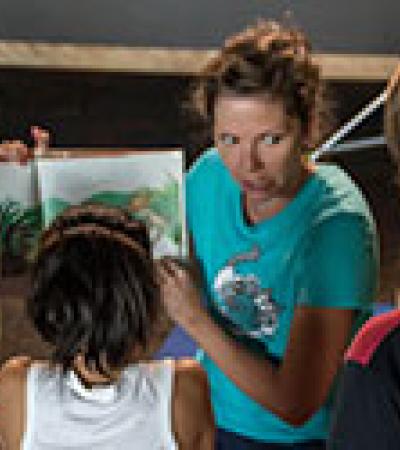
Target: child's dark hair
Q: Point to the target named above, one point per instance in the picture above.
(267, 58)
(95, 292)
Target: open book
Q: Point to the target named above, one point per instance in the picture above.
(148, 183)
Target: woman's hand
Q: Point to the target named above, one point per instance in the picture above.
(41, 139)
(17, 151)
(179, 293)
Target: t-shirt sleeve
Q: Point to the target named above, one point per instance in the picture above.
(339, 267)
(200, 196)
(191, 197)
(365, 416)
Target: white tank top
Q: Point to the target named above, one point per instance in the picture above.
(133, 414)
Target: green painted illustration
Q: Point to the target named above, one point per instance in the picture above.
(147, 185)
(20, 228)
(158, 207)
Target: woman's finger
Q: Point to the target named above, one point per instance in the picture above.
(175, 268)
(166, 266)
(162, 274)
(168, 279)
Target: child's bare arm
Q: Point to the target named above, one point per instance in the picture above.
(12, 402)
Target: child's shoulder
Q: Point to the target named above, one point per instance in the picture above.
(14, 368)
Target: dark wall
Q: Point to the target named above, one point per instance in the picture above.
(93, 109)
(120, 110)
(355, 26)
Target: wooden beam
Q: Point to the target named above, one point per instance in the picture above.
(169, 61)
(357, 67)
(162, 61)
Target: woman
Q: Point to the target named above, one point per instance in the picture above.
(287, 250)
(96, 300)
(367, 413)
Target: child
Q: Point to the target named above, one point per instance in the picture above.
(95, 298)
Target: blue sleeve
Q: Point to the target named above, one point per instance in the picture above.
(339, 267)
(199, 192)
(190, 198)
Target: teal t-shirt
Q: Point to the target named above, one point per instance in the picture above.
(320, 250)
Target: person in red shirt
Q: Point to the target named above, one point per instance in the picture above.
(367, 414)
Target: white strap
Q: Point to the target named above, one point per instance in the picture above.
(30, 407)
(349, 126)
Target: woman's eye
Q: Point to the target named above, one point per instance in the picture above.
(271, 139)
(228, 139)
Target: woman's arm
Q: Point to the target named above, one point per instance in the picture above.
(192, 417)
(300, 384)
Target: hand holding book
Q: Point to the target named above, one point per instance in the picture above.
(37, 184)
(19, 152)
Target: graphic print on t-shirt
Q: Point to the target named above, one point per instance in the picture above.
(242, 299)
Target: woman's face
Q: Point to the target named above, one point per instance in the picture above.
(259, 144)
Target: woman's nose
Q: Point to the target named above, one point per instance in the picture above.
(252, 156)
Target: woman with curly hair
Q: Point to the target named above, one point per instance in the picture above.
(95, 298)
(287, 249)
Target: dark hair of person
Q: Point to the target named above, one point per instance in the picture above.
(271, 59)
(392, 117)
(94, 292)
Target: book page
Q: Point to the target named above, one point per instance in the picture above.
(147, 184)
(20, 217)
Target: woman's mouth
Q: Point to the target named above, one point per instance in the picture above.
(253, 186)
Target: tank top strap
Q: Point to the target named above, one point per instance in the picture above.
(31, 389)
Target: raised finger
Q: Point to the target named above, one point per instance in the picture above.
(175, 267)
(162, 273)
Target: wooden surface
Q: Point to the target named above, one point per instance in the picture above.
(173, 61)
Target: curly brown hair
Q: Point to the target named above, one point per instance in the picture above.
(392, 117)
(266, 58)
